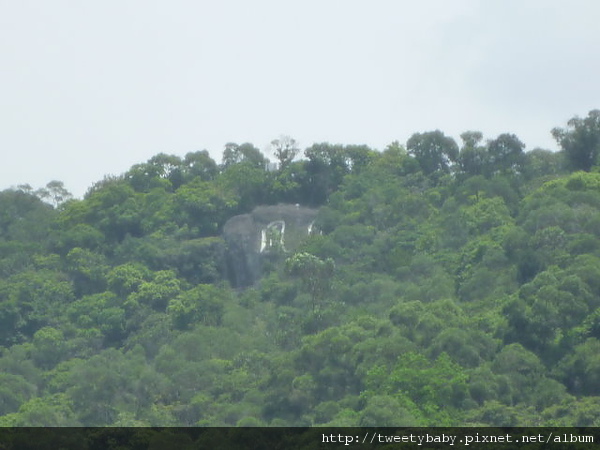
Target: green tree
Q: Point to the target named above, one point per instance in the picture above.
(437, 387)
(24, 217)
(433, 150)
(14, 391)
(33, 299)
(49, 411)
(49, 347)
(580, 370)
(127, 278)
(112, 383)
(203, 206)
(200, 164)
(245, 153)
(389, 411)
(543, 163)
(580, 140)
(506, 153)
(55, 192)
(523, 370)
(285, 150)
(88, 271)
(158, 292)
(314, 273)
(101, 312)
(474, 159)
(112, 206)
(203, 304)
(250, 185)
(326, 167)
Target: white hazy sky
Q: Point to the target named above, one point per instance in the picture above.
(89, 88)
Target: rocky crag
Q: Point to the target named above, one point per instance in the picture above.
(266, 232)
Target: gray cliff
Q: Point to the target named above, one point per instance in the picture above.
(266, 232)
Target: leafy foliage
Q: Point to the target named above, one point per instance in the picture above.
(440, 286)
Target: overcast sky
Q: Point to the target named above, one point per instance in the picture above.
(89, 88)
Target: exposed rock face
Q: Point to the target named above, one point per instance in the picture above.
(267, 230)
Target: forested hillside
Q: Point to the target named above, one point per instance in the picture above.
(448, 284)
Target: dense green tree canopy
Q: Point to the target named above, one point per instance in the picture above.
(437, 286)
